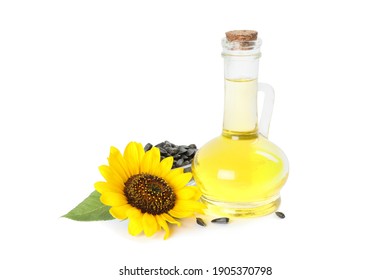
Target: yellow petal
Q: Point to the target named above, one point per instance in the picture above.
(120, 212)
(161, 221)
(180, 181)
(118, 164)
(147, 159)
(155, 164)
(135, 226)
(149, 224)
(133, 157)
(113, 199)
(186, 193)
(186, 208)
(181, 214)
(134, 213)
(173, 173)
(171, 220)
(198, 194)
(187, 205)
(165, 166)
(102, 187)
(110, 175)
(151, 161)
(141, 151)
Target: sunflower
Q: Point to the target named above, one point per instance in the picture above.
(146, 191)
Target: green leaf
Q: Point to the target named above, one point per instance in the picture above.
(90, 209)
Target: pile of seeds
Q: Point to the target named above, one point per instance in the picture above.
(182, 154)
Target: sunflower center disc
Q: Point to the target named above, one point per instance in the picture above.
(150, 194)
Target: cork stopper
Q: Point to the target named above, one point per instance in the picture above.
(241, 41)
(241, 35)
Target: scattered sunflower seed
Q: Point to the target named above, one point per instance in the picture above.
(200, 222)
(280, 214)
(223, 220)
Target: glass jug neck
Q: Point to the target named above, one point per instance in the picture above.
(240, 108)
(241, 59)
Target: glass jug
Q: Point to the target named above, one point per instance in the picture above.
(240, 173)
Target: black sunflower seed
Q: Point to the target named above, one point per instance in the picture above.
(148, 147)
(190, 152)
(200, 222)
(163, 151)
(182, 149)
(180, 162)
(160, 145)
(223, 220)
(280, 214)
(170, 151)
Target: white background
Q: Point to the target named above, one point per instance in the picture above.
(79, 76)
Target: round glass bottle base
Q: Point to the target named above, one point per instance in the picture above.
(241, 210)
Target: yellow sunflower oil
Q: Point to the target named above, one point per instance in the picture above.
(240, 173)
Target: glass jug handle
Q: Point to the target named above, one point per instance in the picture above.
(268, 106)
